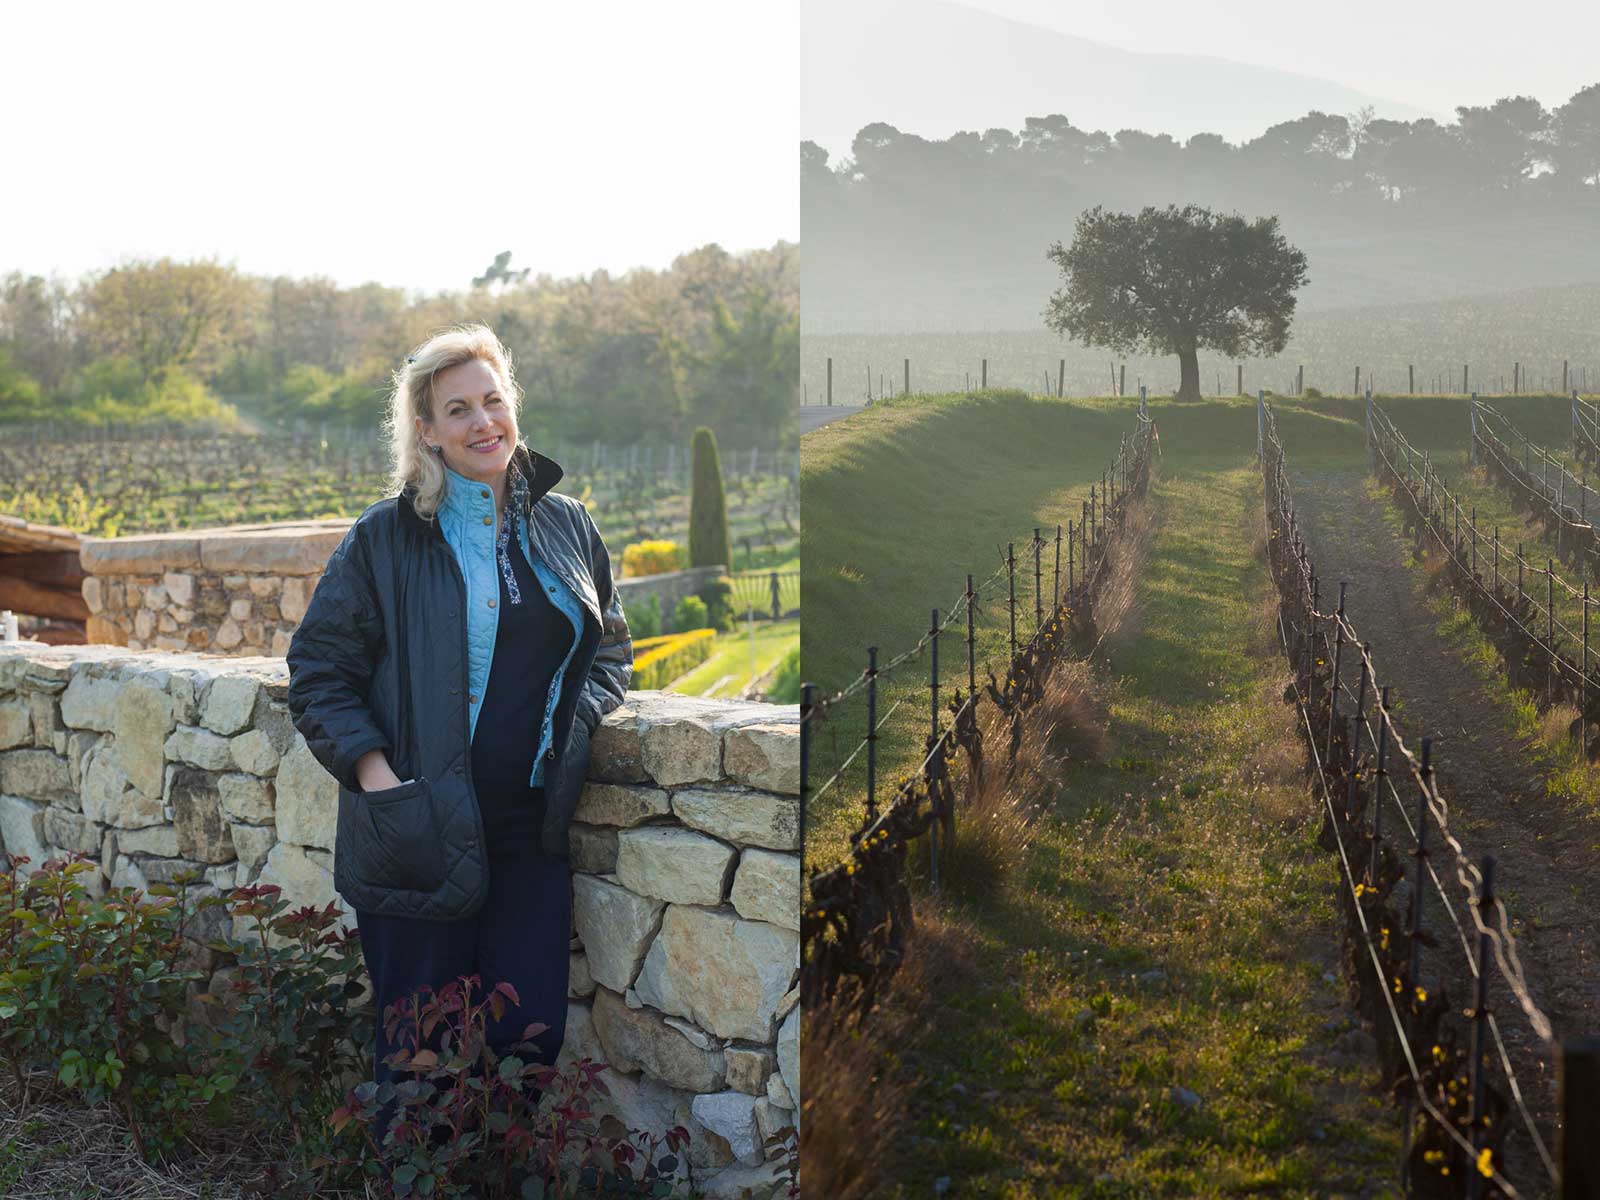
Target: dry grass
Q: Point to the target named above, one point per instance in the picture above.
(1555, 724)
(1116, 611)
(854, 1115)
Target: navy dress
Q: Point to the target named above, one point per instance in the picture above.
(522, 933)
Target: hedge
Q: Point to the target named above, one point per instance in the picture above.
(658, 661)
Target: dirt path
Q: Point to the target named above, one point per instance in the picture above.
(1498, 800)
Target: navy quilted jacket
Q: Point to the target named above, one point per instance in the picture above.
(380, 662)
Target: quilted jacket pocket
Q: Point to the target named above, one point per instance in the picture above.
(390, 839)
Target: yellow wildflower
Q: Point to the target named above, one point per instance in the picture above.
(1422, 995)
(1485, 1163)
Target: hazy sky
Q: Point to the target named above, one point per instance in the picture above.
(405, 143)
(1435, 54)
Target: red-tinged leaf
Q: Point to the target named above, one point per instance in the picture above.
(509, 992)
(424, 1060)
(497, 1006)
(534, 1030)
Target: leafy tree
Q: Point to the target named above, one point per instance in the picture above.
(500, 272)
(1173, 280)
(708, 505)
(164, 314)
(746, 379)
(20, 397)
(1576, 148)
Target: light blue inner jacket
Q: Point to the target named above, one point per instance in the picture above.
(466, 518)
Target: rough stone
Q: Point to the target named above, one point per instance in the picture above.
(90, 703)
(79, 745)
(72, 831)
(46, 714)
(619, 804)
(93, 595)
(640, 1102)
(676, 865)
(770, 1119)
(245, 797)
(142, 722)
(110, 797)
(167, 870)
(180, 587)
(199, 748)
(303, 879)
(617, 749)
(229, 702)
(688, 1028)
(197, 814)
(16, 724)
(580, 1042)
(741, 815)
(579, 982)
(681, 751)
(240, 608)
(127, 874)
(748, 1068)
(616, 927)
(777, 1093)
(764, 756)
(723, 973)
(767, 887)
(159, 840)
(732, 1116)
(264, 586)
(635, 1039)
(22, 829)
(741, 1182)
(292, 600)
(789, 1055)
(592, 849)
(252, 843)
(37, 774)
(228, 634)
(307, 799)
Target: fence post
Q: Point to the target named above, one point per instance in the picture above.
(1550, 624)
(1377, 787)
(830, 383)
(984, 378)
(1055, 590)
(1465, 386)
(872, 732)
(1333, 687)
(1072, 542)
(1355, 731)
(1421, 855)
(1372, 464)
(1473, 444)
(1411, 375)
(933, 739)
(1480, 1022)
(1038, 580)
(906, 388)
(1061, 378)
(1472, 531)
(1578, 1100)
(1521, 594)
(1497, 562)
(807, 692)
(777, 608)
(972, 646)
(1011, 574)
(1261, 417)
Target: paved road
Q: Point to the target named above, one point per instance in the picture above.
(815, 416)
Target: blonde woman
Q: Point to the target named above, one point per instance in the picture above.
(462, 645)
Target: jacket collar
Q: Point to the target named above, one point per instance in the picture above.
(541, 473)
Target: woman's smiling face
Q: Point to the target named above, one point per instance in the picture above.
(473, 421)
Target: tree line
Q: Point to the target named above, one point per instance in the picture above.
(644, 356)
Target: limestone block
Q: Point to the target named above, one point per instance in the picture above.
(160, 840)
(304, 880)
(264, 586)
(46, 714)
(292, 600)
(676, 865)
(144, 624)
(307, 799)
(104, 631)
(252, 843)
(38, 775)
(741, 1182)
(72, 831)
(767, 887)
(22, 829)
(168, 870)
(789, 1055)
(281, 640)
(93, 593)
(732, 1116)
(683, 750)
(764, 756)
(127, 874)
(770, 1119)
(254, 752)
(245, 798)
(16, 724)
(579, 982)
(240, 608)
(90, 703)
(617, 749)
(637, 1039)
(688, 1028)
(108, 795)
(142, 721)
(179, 586)
(228, 634)
(197, 813)
(616, 927)
(620, 804)
(79, 745)
(592, 849)
(228, 704)
(199, 748)
(273, 720)
(643, 1103)
(723, 973)
(749, 1068)
(741, 815)
(777, 1094)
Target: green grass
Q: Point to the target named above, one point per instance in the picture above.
(1189, 851)
(728, 669)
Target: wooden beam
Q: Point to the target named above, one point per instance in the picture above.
(57, 567)
(40, 600)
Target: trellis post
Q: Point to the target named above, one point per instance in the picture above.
(872, 732)
(1480, 1022)
(1333, 687)
(1377, 787)
(972, 644)
(933, 738)
(1055, 589)
(1011, 576)
(1038, 579)
(807, 707)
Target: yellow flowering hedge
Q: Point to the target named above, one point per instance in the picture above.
(658, 661)
(651, 558)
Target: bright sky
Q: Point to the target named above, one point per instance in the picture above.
(1435, 54)
(401, 142)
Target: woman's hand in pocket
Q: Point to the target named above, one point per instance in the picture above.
(374, 773)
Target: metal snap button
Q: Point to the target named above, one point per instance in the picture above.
(488, 520)
(491, 604)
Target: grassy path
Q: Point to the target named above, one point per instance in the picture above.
(1154, 1006)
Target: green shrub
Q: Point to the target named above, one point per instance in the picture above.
(644, 620)
(708, 505)
(690, 613)
(20, 397)
(785, 686)
(658, 661)
(718, 598)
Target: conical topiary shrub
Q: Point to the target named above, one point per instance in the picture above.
(708, 505)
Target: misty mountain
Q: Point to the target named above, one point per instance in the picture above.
(935, 67)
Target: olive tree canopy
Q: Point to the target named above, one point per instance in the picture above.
(1169, 281)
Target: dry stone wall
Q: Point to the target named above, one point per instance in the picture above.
(685, 853)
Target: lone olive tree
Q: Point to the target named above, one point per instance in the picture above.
(1172, 280)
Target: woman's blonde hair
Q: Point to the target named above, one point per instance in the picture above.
(414, 464)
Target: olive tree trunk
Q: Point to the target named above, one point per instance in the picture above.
(1189, 379)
